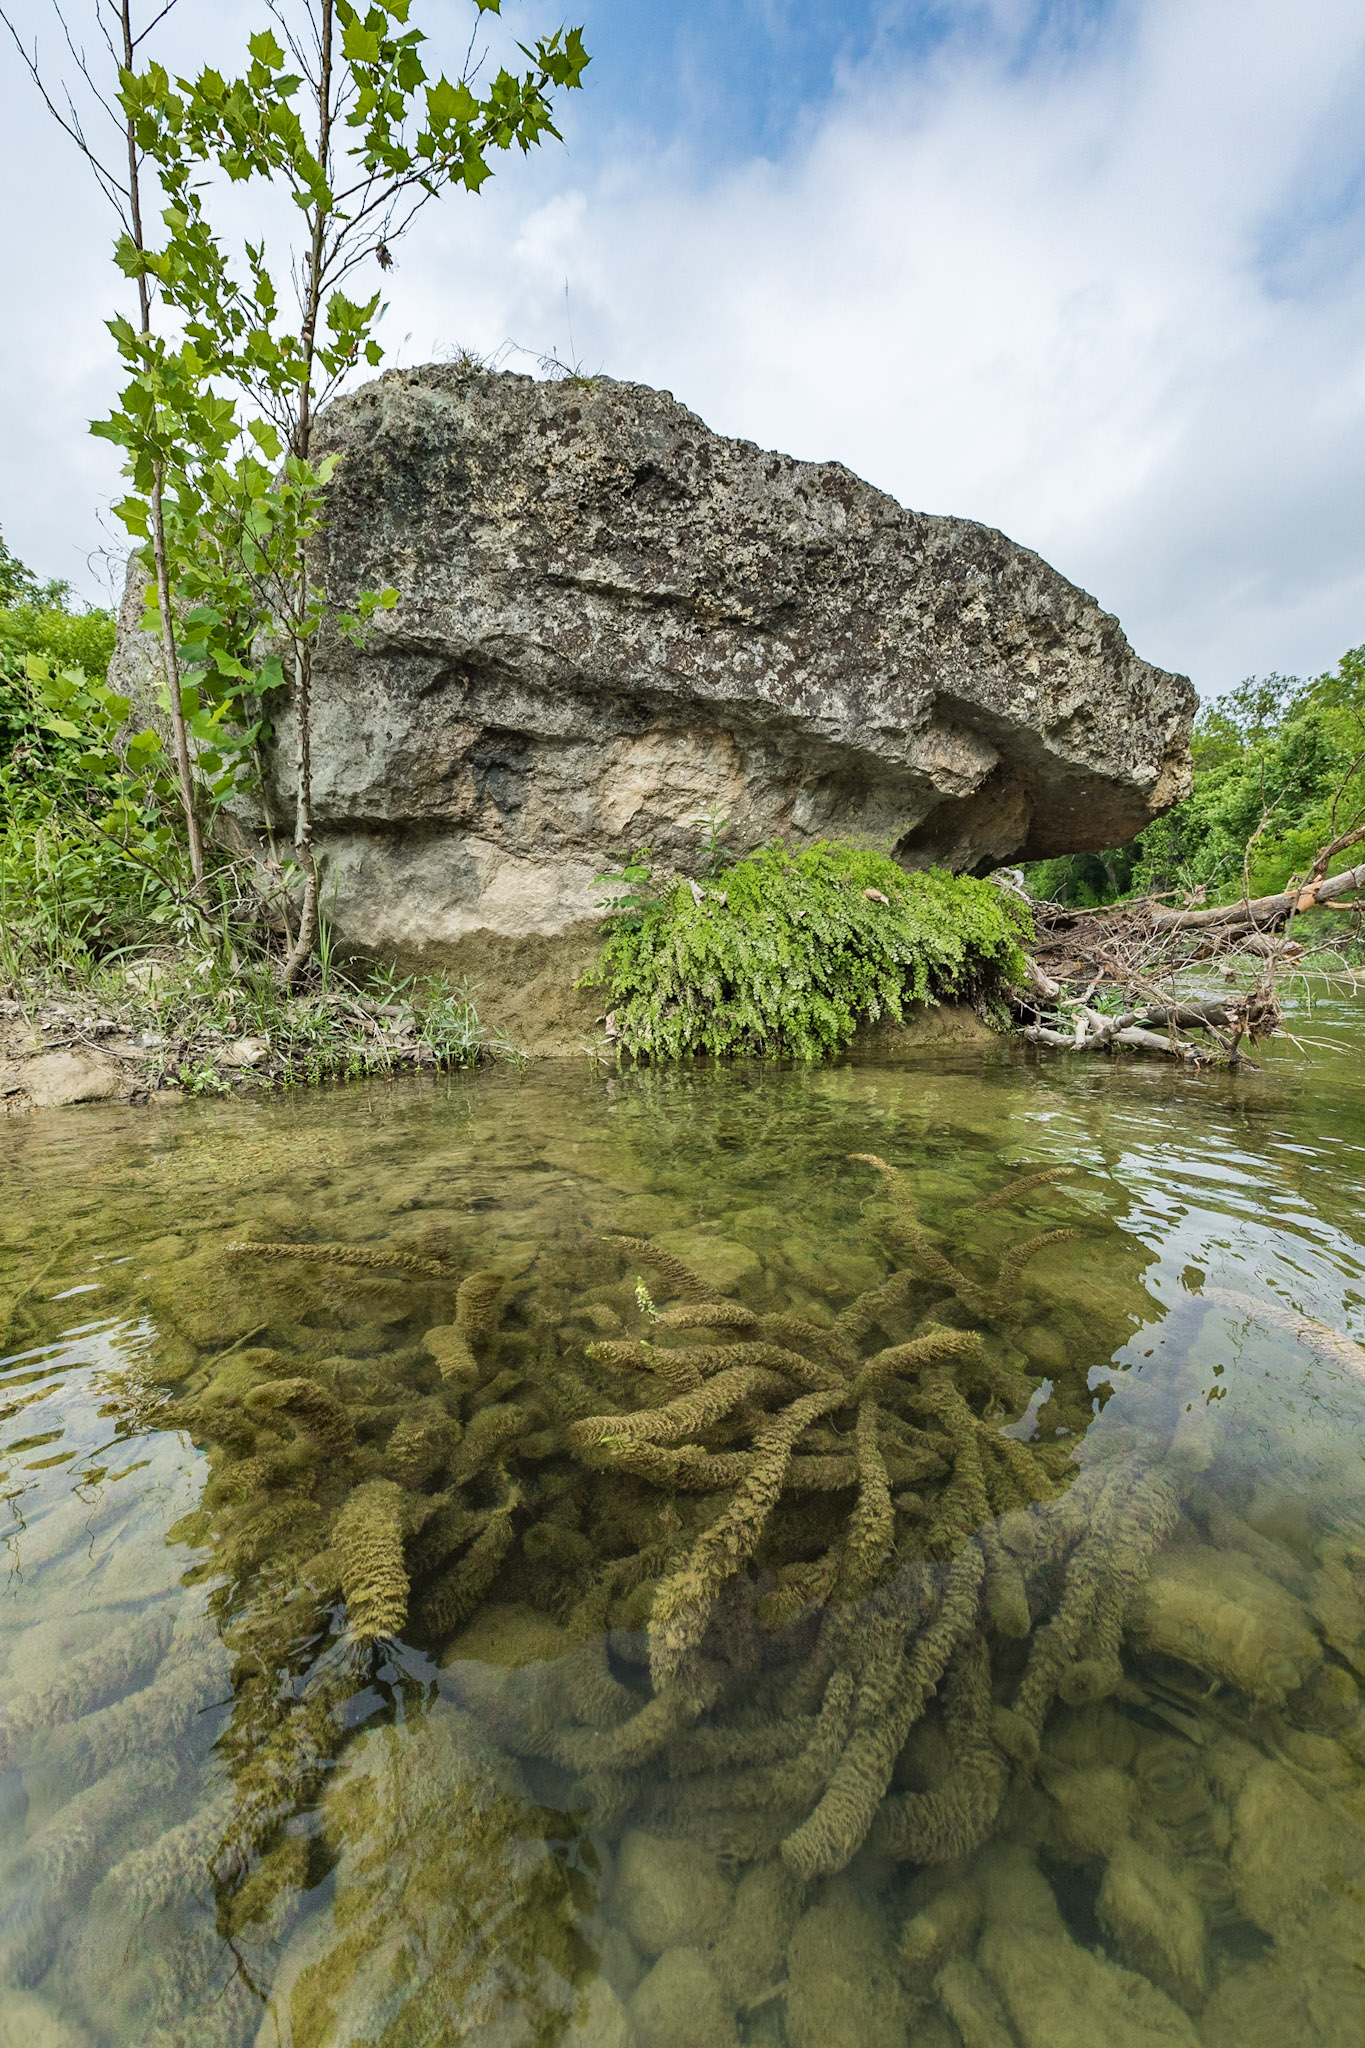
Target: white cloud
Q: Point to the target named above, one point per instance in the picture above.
(1111, 302)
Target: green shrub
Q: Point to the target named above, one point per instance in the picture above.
(788, 952)
(74, 894)
(36, 620)
(69, 639)
(1279, 770)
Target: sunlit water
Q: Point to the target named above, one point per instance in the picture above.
(362, 1681)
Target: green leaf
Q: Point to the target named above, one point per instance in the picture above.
(267, 438)
(360, 44)
(266, 50)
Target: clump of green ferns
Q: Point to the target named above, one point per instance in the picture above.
(787, 952)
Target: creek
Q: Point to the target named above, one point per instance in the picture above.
(910, 1593)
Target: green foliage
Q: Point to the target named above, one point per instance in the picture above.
(37, 626)
(1272, 759)
(634, 891)
(1082, 879)
(69, 639)
(796, 949)
(92, 856)
(71, 895)
(1278, 773)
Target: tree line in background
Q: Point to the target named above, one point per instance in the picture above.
(1279, 771)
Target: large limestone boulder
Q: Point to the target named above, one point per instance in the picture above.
(614, 622)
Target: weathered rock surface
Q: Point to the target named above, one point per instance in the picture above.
(614, 622)
(57, 1080)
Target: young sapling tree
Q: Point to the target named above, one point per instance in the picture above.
(153, 414)
(340, 114)
(337, 114)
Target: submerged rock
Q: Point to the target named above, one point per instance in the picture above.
(614, 622)
(1095, 1810)
(600, 2020)
(27, 2021)
(719, 1261)
(1056, 1993)
(843, 1991)
(1156, 1922)
(680, 2005)
(452, 1916)
(1214, 1610)
(748, 1957)
(670, 1893)
(1290, 1851)
(1299, 1996)
(508, 1634)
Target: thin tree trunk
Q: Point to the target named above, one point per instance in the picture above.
(302, 947)
(169, 652)
(171, 658)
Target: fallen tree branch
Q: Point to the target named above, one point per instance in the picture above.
(1134, 951)
(1264, 912)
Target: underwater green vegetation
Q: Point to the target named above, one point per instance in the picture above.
(590, 1626)
(788, 951)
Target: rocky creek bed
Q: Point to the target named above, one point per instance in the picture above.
(869, 1555)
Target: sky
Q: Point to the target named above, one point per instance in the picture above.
(1091, 271)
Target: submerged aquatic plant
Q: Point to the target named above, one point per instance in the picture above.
(769, 1588)
(872, 1493)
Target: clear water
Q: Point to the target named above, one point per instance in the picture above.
(362, 1681)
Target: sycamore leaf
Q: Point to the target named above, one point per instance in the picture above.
(266, 438)
(360, 44)
(447, 103)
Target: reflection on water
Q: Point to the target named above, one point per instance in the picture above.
(839, 1559)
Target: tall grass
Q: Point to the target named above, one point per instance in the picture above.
(117, 930)
(99, 910)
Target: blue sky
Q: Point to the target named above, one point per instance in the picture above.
(722, 80)
(1092, 271)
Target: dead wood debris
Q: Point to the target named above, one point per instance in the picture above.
(1106, 977)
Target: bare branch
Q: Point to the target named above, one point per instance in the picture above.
(114, 192)
(156, 19)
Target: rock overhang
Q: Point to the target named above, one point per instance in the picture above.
(586, 561)
(614, 624)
